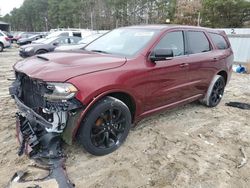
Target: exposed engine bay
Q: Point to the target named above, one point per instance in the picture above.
(43, 112)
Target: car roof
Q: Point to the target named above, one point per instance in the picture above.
(163, 27)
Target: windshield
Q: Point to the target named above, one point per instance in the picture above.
(33, 36)
(123, 41)
(89, 39)
(39, 40)
(50, 40)
(58, 33)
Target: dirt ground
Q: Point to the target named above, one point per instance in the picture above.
(191, 146)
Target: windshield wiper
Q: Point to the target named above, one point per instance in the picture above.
(99, 51)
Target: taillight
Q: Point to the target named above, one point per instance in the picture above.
(6, 38)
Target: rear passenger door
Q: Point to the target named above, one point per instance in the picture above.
(201, 61)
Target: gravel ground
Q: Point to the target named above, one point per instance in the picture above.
(191, 146)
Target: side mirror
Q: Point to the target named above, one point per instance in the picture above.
(161, 54)
(56, 43)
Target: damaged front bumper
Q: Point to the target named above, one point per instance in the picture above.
(40, 122)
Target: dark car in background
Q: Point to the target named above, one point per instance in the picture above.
(21, 35)
(46, 45)
(23, 41)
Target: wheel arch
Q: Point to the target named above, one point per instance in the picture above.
(224, 74)
(124, 96)
(46, 51)
(126, 99)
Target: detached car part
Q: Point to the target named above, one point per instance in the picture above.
(44, 109)
(244, 106)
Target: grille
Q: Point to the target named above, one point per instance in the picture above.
(31, 91)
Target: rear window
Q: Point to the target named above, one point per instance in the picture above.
(219, 41)
(77, 34)
(198, 42)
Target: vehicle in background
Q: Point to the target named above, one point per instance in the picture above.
(4, 41)
(46, 46)
(95, 95)
(80, 33)
(81, 44)
(19, 35)
(9, 35)
(23, 41)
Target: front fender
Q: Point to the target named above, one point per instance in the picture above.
(74, 122)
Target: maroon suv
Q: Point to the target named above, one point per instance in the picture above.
(96, 94)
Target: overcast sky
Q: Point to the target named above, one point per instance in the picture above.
(7, 5)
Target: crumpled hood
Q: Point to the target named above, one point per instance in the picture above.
(59, 67)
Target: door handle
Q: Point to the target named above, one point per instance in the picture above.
(215, 59)
(184, 65)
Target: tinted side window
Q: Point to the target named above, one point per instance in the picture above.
(73, 40)
(62, 41)
(219, 41)
(198, 42)
(77, 34)
(174, 41)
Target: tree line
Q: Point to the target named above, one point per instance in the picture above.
(42, 15)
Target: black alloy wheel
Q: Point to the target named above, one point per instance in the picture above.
(108, 128)
(217, 91)
(105, 127)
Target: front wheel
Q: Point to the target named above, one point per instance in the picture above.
(41, 52)
(214, 92)
(105, 127)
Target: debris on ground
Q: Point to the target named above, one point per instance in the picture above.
(244, 158)
(54, 165)
(240, 105)
(239, 69)
(56, 176)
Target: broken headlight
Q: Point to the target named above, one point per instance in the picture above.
(60, 91)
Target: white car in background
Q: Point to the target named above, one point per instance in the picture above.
(74, 33)
(82, 43)
(4, 41)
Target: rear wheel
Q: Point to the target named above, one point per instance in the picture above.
(215, 92)
(1, 47)
(105, 127)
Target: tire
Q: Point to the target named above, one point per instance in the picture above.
(215, 92)
(1, 47)
(100, 134)
(41, 51)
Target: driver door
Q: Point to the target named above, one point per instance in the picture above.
(167, 79)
